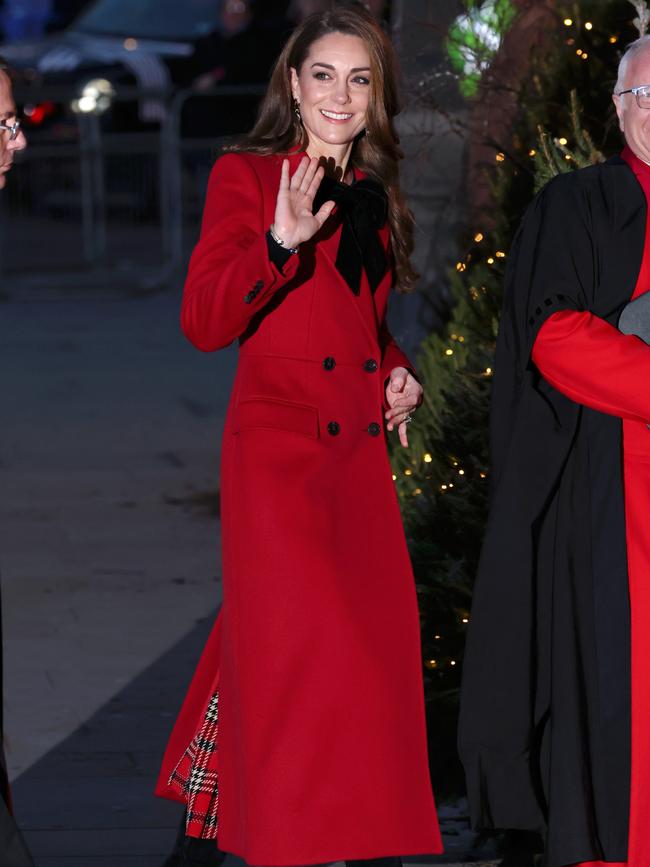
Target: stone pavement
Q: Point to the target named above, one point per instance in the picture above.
(108, 466)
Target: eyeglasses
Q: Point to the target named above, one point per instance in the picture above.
(642, 94)
(14, 128)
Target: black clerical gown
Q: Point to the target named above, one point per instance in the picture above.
(545, 711)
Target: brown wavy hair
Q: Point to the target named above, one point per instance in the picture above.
(278, 129)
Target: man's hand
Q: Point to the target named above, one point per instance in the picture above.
(403, 396)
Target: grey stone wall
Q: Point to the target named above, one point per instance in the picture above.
(432, 128)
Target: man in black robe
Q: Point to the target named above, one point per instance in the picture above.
(13, 852)
(545, 725)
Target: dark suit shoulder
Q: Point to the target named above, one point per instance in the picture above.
(603, 195)
(598, 178)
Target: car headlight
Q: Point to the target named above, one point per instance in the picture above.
(96, 97)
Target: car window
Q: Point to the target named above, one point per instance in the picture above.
(150, 19)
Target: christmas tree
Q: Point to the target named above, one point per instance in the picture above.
(563, 118)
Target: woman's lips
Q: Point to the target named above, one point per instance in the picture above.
(336, 116)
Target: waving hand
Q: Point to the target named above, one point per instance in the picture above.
(294, 221)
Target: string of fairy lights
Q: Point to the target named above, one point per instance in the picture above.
(414, 479)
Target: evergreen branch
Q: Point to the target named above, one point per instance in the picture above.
(641, 23)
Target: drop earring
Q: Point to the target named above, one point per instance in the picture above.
(296, 110)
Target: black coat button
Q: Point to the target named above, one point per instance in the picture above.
(248, 297)
(259, 285)
(374, 429)
(329, 363)
(370, 366)
(333, 428)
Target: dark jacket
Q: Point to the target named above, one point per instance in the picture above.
(545, 711)
(13, 852)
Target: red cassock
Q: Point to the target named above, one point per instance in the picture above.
(592, 363)
(322, 751)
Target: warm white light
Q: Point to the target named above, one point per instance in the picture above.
(87, 104)
(96, 97)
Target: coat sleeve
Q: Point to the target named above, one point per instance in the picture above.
(391, 354)
(231, 277)
(592, 363)
(551, 266)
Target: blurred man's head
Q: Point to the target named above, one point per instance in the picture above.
(12, 138)
(236, 15)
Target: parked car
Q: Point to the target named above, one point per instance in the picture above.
(159, 46)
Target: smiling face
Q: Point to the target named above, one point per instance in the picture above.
(333, 89)
(8, 113)
(635, 121)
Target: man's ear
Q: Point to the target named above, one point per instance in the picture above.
(618, 102)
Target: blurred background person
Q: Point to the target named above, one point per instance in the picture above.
(243, 50)
(250, 37)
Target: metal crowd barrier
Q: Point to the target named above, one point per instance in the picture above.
(89, 206)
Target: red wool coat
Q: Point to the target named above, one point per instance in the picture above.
(321, 745)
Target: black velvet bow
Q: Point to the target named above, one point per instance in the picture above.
(363, 208)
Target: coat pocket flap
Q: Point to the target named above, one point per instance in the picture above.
(276, 415)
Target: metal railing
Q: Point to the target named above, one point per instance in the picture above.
(92, 205)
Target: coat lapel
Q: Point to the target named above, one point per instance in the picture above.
(327, 245)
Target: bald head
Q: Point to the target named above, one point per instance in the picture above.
(634, 51)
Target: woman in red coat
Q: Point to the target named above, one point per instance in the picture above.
(302, 739)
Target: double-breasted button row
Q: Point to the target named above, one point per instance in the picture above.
(370, 365)
(334, 428)
(254, 292)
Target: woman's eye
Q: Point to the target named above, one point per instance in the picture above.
(321, 76)
(360, 79)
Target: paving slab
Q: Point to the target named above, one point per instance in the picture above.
(110, 577)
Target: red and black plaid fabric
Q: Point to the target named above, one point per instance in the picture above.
(195, 777)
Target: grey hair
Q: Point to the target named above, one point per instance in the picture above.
(634, 48)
